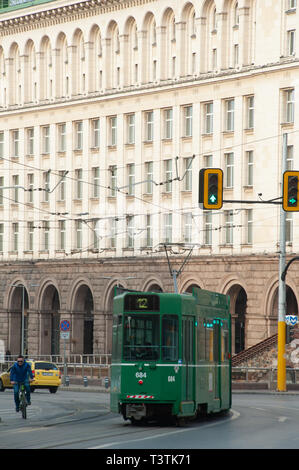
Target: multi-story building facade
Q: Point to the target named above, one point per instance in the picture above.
(108, 110)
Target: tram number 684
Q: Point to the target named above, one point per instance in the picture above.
(171, 378)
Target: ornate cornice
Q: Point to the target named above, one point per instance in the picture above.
(62, 14)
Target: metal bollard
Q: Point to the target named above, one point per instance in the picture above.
(85, 381)
(67, 380)
(106, 381)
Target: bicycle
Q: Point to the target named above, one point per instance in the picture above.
(23, 401)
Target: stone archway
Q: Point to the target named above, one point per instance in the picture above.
(154, 288)
(190, 288)
(238, 305)
(19, 299)
(49, 322)
(83, 321)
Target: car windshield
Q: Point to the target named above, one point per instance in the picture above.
(45, 366)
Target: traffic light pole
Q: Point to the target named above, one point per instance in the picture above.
(281, 361)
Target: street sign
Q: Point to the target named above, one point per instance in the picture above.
(65, 335)
(291, 320)
(65, 325)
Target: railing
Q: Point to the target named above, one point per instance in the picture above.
(263, 376)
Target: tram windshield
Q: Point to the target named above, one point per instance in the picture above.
(141, 337)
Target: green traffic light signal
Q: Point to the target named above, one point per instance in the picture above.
(290, 200)
(211, 188)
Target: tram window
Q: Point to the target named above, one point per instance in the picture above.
(216, 349)
(170, 338)
(141, 337)
(209, 344)
(201, 340)
(224, 343)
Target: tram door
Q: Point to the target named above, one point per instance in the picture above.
(188, 369)
(217, 358)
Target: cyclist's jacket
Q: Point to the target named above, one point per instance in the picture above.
(20, 373)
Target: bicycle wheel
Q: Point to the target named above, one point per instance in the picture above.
(23, 404)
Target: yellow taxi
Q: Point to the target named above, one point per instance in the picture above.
(46, 375)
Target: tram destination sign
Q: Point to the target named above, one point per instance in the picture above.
(142, 302)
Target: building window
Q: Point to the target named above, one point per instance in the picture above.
(78, 226)
(30, 234)
(292, 4)
(289, 105)
(168, 123)
(249, 225)
(79, 135)
(46, 229)
(1, 189)
(95, 128)
(228, 227)
(62, 137)
(1, 144)
(207, 224)
(46, 139)
(290, 157)
(149, 231)
(30, 187)
(149, 178)
(130, 231)
(208, 118)
(188, 174)
(61, 188)
(62, 235)
(149, 126)
(131, 129)
(113, 232)
(249, 158)
(229, 170)
(96, 181)
(30, 141)
(187, 121)
(187, 227)
(131, 179)
(95, 236)
(79, 184)
(208, 161)
(291, 42)
(1, 237)
(15, 236)
(113, 180)
(46, 181)
(15, 143)
(250, 112)
(236, 55)
(229, 111)
(15, 184)
(168, 175)
(113, 130)
(168, 228)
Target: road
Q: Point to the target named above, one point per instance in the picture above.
(82, 420)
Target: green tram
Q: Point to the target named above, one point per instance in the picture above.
(171, 354)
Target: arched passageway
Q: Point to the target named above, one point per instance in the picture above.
(83, 321)
(18, 309)
(49, 322)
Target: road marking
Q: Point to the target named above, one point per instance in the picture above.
(179, 431)
(282, 419)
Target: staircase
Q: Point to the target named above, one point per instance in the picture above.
(255, 350)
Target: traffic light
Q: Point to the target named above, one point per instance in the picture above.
(210, 188)
(290, 199)
(290, 333)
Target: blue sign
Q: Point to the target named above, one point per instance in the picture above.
(65, 325)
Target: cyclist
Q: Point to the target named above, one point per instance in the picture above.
(21, 373)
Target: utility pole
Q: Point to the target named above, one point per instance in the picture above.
(281, 361)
